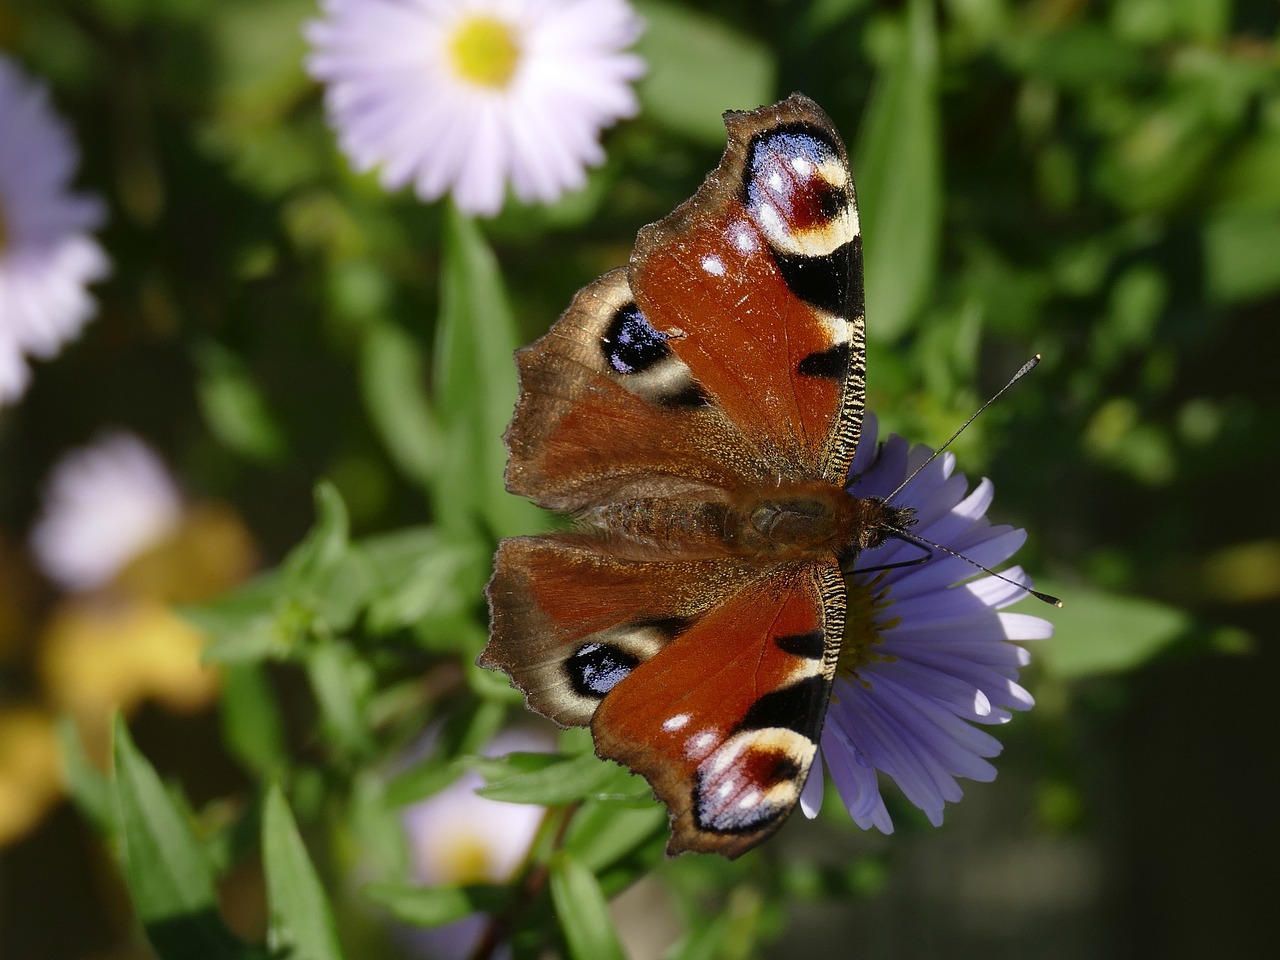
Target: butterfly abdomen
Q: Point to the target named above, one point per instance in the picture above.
(687, 528)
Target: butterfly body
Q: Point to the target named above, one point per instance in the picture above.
(696, 413)
(791, 522)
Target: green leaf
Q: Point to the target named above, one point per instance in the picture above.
(250, 719)
(560, 782)
(465, 732)
(436, 906)
(1100, 633)
(1082, 55)
(302, 925)
(243, 623)
(327, 577)
(705, 941)
(440, 579)
(341, 681)
(258, 50)
(169, 877)
(375, 827)
(312, 563)
(423, 780)
(1240, 254)
(392, 382)
(582, 912)
(89, 789)
(699, 66)
(514, 764)
(476, 386)
(899, 179)
(603, 832)
(234, 408)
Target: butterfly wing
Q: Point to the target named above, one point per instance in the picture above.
(568, 616)
(708, 678)
(729, 353)
(607, 412)
(756, 281)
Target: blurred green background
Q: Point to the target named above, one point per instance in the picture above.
(1098, 182)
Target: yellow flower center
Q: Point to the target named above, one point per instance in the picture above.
(864, 625)
(465, 858)
(485, 51)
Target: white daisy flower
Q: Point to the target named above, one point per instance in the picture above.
(47, 257)
(464, 96)
(457, 837)
(104, 505)
(927, 651)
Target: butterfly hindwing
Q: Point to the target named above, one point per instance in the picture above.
(569, 618)
(708, 678)
(724, 721)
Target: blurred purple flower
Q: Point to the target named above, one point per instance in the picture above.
(47, 257)
(464, 96)
(459, 837)
(925, 656)
(104, 504)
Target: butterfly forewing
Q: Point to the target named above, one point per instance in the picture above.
(756, 281)
(607, 412)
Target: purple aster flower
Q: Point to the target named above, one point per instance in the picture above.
(459, 837)
(104, 505)
(464, 96)
(927, 651)
(47, 257)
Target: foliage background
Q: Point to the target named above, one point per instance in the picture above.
(1098, 182)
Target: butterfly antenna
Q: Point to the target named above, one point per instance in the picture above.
(1022, 372)
(914, 538)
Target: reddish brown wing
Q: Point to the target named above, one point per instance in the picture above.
(729, 354)
(757, 283)
(608, 412)
(724, 722)
(566, 612)
(709, 678)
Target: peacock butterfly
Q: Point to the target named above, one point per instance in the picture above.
(696, 412)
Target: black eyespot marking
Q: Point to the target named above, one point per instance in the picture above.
(777, 767)
(809, 645)
(832, 281)
(799, 707)
(783, 161)
(596, 668)
(832, 363)
(737, 800)
(631, 345)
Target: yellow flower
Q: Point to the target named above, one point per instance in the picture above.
(30, 779)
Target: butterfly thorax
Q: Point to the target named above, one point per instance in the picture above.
(793, 521)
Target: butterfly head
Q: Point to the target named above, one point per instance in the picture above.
(883, 520)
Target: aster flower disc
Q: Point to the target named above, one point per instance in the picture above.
(467, 96)
(928, 652)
